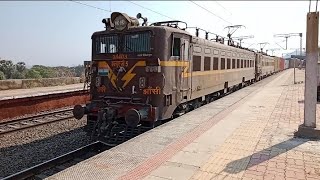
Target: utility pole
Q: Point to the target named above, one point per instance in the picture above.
(294, 71)
(286, 36)
(309, 128)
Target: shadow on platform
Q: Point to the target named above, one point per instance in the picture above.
(263, 155)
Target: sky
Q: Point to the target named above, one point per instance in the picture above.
(58, 33)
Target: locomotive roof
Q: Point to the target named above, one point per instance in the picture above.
(194, 39)
(143, 28)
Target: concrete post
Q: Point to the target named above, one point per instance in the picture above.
(311, 70)
(308, 129)
(294, 71)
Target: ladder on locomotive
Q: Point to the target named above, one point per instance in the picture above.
(87, 74)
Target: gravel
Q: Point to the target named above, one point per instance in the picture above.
(23, 149)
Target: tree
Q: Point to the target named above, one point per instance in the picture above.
(18, 75)
(7, 67)
(79, 70)
(33, 74)
(2, 76)
(45, 72)
(21, 67)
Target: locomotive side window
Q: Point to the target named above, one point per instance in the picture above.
(228, 63)
(207, 63)
(196, 63)
(223, 63)
(233, 63)
(176, 47)
(215, 63)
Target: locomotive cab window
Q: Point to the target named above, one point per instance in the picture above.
(137, 42)
(106, 44)
(176, 47)
(122, 43)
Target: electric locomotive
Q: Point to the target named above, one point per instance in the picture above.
(142, 74)
(128, 74)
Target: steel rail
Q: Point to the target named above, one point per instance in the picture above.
(36, 120)
(95, 147)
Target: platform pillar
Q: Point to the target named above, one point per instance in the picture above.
(309, 128)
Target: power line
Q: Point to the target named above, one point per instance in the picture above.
(90, 6)
(223, 7)
(151, 10)
(211, 12)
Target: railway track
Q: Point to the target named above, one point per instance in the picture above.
(33, 121)
(60, 163)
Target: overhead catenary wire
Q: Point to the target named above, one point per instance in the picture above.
(98, 8)
(210, 12)
(90, 6)
(151, 10)
(309, 5)
(223, 7)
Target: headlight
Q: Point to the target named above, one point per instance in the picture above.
(120, 23)
(142, 82)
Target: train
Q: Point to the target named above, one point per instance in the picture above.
(140, 75)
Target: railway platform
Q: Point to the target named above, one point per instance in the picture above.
(245, 135)
(38, 91)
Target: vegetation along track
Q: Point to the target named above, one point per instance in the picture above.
(59, 163)
(37, 120)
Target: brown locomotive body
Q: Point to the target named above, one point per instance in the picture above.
(145, 74)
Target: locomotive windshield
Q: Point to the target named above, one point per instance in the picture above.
(123, 43)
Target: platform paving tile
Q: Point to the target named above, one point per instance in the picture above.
(233, 149)
(264, 147)
(175, 171)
